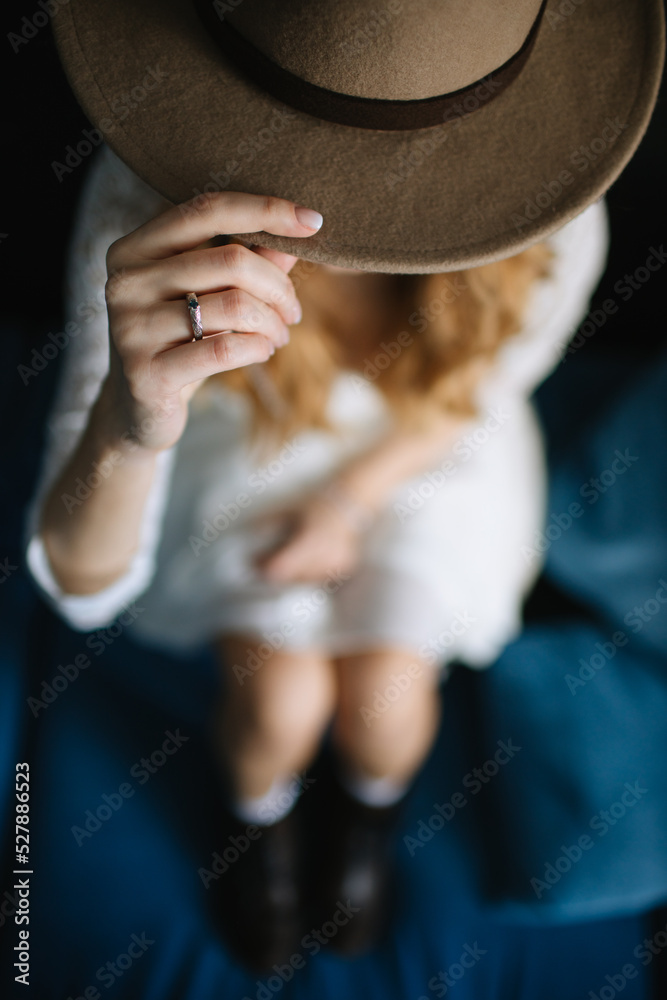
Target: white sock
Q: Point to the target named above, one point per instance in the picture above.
(263, 810)
(371, 791)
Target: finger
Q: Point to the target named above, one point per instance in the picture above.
(186, 226)
(285, 261)
(168, 324)
(175, 369)
(262, 558)
(214, 269)
(288, 563)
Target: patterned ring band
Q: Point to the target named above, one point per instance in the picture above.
(195, 315)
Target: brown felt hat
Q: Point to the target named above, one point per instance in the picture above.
(431, 134)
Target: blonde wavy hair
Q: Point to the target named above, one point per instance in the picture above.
(445, 332)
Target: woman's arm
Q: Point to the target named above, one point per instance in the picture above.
(330, 524)
(114, 202)
(370, 478)
(91, 518)
(112, 440)
(247, 302)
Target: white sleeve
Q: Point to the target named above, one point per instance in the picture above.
(113, 203)
(556, 307)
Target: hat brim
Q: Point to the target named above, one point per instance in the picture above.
(476, 189)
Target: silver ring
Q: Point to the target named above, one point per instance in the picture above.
(195, 315)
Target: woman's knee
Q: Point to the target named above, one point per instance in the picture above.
(287, 701)
(379, 683)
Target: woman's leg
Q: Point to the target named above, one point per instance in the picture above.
(270, 724)
(386, 720)
(388, 713)
(273, 717)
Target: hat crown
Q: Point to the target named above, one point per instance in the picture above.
(386, 49)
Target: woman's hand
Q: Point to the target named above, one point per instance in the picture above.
(322, 539)
(247, 303)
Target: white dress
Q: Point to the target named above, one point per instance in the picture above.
(442, 571)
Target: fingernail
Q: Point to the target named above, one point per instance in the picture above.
(297, 313)
(309, 218)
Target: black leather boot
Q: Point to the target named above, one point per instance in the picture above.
(257, 895)
(355, 861)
